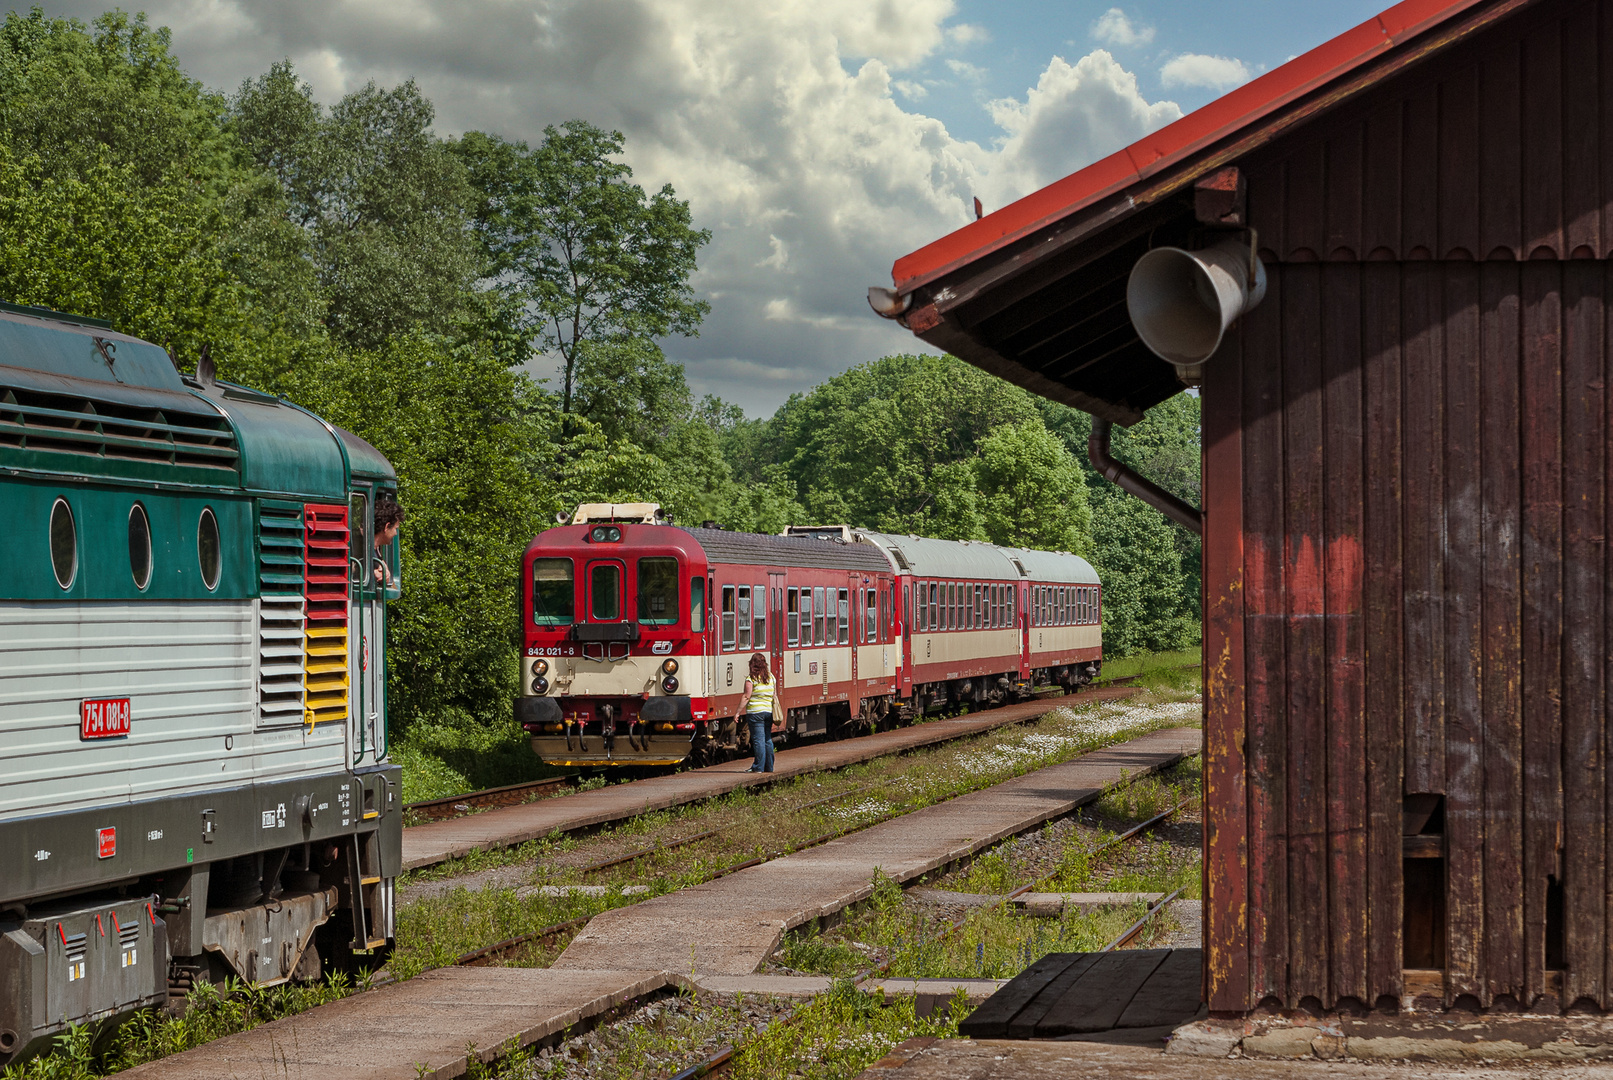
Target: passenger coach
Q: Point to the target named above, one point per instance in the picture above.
(638, 633)
(192, 684)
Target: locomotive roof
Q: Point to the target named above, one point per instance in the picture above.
(762, 549)
(61, 366)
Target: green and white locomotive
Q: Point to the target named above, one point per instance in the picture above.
(193, 758)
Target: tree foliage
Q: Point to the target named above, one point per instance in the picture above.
(590, 259)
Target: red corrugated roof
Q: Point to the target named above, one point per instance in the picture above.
(1157, 151)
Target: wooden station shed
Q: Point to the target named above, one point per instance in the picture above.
(1406, 504)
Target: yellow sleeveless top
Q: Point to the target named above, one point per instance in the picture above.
(761, 697)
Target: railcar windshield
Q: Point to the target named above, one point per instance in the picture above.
(605, 592)
(554, 595)
(658, 591)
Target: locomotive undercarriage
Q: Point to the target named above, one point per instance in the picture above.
(73, 952)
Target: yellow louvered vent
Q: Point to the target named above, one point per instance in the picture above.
(325, 589)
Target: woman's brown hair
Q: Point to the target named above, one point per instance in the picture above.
(758, 668)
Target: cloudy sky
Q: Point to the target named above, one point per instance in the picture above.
(817, 139)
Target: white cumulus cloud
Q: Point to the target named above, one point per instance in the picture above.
(1114, 27)
(780, 123)
(1210, 72)
(1075, 114)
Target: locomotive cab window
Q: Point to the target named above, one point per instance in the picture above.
(209, 556)
(697, 604)
(139, 546)
(554, 595)
(605, 592)
(658, 591)
(729, 624)
(63, 544)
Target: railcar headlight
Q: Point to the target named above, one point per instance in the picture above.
(540, 685)
(540, 667)
(669, 684)
(670, 667)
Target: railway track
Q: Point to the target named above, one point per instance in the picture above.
(517, 794)
(486, 799)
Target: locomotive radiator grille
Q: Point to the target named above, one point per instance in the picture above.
(281, 612)
(325, 588)
(68, 424)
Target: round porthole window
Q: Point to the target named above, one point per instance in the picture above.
(139, 546)
(63, 543)
(207, 550)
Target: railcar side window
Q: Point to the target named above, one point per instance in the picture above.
(871, 597)
(658, 591)
(605, 591)
(1009, 605)
(697, 604)
(63, 543)
(792, 615)
(744, 616)
(935, 607)
(729, 623)
(139, 546)
(845, 619)
(554, 592)
(759, 595)
(817, 615)
(208, 554)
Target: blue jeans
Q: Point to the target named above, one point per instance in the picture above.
(761, 740)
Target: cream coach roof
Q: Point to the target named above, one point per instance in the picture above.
(943, 558)
(1054, 567)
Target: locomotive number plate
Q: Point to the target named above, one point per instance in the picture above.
(106, 718)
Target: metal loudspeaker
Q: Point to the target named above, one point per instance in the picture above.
(1182, 302)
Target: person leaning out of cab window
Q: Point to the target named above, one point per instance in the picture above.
(388, 516)
(758, 695)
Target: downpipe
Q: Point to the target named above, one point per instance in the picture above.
(1123, 475)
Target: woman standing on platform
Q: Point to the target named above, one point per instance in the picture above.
(758, 694)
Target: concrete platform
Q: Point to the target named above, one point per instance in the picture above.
(426, 1027)
(729, 926)
(992, 1059)
(438, 841)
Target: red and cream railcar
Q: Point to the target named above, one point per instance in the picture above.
(638, 634)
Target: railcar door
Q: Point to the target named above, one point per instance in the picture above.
(1024, 623)
(775, 639)
(903, 631)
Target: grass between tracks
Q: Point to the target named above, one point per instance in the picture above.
(452, 909)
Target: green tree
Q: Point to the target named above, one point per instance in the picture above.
(890, 445)
(585, 253)
(107, 245)
(383, 205)
(77, 99)
(1143, 586)
(1034, 492)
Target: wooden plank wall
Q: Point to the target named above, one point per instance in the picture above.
(1406, 484)
(1407, 460)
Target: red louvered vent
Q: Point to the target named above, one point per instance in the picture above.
(325, 586)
